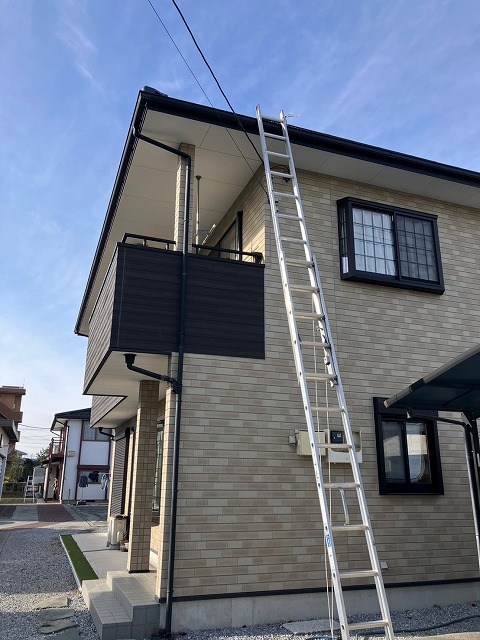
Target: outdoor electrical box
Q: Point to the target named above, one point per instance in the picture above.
(336, 437)
(303, 443)
(338, 457)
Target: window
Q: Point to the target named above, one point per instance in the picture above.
(388, 245)
(232, 239)
(89, 433)
(408, 455)
(158, 474)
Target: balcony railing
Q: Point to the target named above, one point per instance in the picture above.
(148, 241)
(56, 448)
(229, 254)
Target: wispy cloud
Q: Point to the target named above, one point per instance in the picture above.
(76, 39)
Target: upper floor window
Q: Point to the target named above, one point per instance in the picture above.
(388, 245)
(92, 434)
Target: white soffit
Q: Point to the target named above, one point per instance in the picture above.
(114, 378)
(226, 160)
(400, 180)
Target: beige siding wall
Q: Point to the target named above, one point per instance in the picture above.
(248, 516)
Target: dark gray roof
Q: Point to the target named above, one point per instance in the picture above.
(78, 414)
(453, 387)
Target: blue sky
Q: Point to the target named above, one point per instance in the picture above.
(401, 74)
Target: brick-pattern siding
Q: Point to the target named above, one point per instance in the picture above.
(248, 515)
(144, 457)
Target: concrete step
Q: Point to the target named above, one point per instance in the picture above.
(111, 620)
(136, 593)
(123, 606)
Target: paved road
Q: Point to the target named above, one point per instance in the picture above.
(38, 515)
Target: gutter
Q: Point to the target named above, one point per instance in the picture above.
(178, 386)
(149, 99)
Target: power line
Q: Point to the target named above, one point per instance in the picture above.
(204, 92)
(215, 78)
(181, 54)
(29, 426)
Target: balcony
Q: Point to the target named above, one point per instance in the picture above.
(138, 310)
(56, 449)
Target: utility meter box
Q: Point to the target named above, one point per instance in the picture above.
(303, 443)
(340, 456)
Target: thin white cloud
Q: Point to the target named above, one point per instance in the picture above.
(77, 41)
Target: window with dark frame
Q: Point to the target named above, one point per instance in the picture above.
(232, 239)
(158, 473)
(408, 455)
(389, 245)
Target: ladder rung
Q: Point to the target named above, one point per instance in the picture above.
(371, 624)
(349, 527)
(281, 174)
(310, 315)
(284, 194)
(271, 119)
(340, 485)
(320, 376)
(319, 409)
(364, 573)
(288, 216)
(277, 154)
(274, 136)
(320, 345)
(293, 240)
(299, 261)
(303, 287)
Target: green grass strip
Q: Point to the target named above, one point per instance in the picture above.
(81, 565)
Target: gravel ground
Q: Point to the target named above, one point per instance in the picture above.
(33, 566)
(459, 618)
(455, 618)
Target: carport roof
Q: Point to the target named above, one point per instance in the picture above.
(453, 387)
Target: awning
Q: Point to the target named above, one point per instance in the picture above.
(453, 387)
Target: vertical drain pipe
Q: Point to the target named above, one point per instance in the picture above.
(181, 352)
(197, 217)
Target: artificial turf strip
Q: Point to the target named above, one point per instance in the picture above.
(81, 565)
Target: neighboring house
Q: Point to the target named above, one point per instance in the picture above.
(396, 238)
(10, 418)
(78, 460)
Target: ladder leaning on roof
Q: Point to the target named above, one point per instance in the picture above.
(316, 364)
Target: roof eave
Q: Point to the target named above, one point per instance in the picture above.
(303, 137)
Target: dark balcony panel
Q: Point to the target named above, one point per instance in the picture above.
(225, 308)
(147, 300)
(225, 304)
(138, 308)
(101, 323)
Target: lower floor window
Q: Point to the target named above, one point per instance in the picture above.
(407, 452)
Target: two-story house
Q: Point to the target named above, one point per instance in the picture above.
(208, 462)
(10, 417)
(78, 459)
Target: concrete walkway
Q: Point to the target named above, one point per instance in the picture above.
(101, 558)
(53, 512)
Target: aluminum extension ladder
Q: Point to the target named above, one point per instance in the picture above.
(29, 489)
(305, 305)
